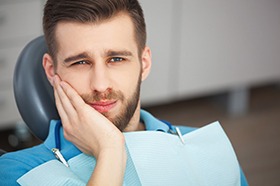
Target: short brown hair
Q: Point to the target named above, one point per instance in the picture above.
(86, 11)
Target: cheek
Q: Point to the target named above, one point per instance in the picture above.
(128, 82)
(76, 81)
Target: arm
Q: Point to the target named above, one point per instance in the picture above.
(93, 134)
(109, 169)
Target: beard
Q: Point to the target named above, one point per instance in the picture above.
(122, 119)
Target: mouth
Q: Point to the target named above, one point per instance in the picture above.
(103, 106)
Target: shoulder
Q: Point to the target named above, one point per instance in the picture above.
(15, 164)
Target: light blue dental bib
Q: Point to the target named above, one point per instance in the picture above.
(155, 158)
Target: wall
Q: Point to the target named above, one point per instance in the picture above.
(20, 22)
(204, 47)
(199, 47)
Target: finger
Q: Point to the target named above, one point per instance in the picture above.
(75, 99)
(64, 101)
(60, 109)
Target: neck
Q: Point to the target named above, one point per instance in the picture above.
(135, 124)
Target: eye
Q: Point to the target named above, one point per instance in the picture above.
(116, 59)
(81, 63)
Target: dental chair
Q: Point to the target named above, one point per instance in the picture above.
(32, 90)
(2, 152)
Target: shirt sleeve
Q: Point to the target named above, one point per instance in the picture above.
(15, 164)
(11, 170)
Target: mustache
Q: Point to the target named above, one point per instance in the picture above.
(98, 96)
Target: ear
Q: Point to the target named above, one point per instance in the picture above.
(48, 65)
(146, 62)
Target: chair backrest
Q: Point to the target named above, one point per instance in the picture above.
(33, 92)
(2, 152)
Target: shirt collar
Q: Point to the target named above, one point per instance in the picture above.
(151, 123)
(55, 136)
(50, 141)
(56, 132)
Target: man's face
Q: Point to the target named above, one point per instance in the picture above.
(101, 62)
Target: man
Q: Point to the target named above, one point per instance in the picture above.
(96, 62)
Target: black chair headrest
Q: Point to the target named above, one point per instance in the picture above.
(33, 92)
(2, 152)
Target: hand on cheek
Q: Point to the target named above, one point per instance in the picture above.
(89, 130)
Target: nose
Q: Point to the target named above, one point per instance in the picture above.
(100, 78)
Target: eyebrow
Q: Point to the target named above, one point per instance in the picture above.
(76, 57)
(109, 53)
(112, 53)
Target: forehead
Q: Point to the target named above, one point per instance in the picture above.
(115, 33)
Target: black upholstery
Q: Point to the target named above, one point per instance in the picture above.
(2, 152)
(33, 93)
